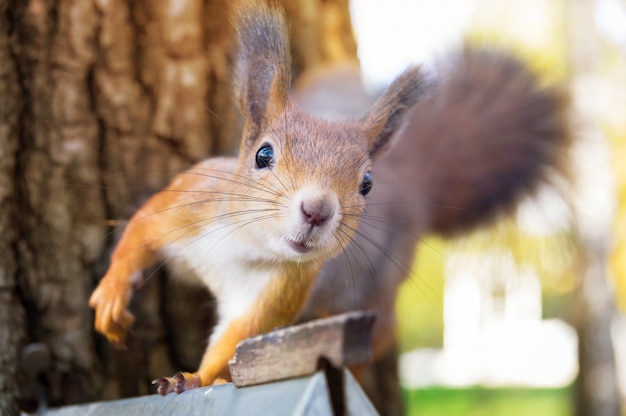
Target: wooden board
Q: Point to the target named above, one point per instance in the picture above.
(295, 351)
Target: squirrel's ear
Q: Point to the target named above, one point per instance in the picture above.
(262, 67)
(385, 117)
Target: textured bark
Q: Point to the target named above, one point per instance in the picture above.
(12, 318)
(102, 102)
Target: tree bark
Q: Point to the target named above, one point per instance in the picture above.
(102, 103)
(12, 317)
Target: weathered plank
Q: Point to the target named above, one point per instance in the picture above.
(295, 351)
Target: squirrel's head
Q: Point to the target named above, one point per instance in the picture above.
(314, 174)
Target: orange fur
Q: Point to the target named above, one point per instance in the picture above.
(291, 288)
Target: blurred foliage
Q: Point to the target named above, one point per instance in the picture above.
(552, 256)
(419, 304)
(533, 29)
(617, 263)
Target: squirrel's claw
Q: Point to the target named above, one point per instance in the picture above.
(164, 385)
(178, 383)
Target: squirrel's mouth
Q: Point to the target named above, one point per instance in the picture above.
(301, 247)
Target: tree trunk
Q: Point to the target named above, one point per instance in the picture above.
(12, 317)
(103, 102)
(596, 388)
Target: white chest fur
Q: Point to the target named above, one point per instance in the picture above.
(232, 268)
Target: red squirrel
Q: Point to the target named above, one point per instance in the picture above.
(258, 229)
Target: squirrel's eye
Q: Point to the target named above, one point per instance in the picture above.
(366, 185)
(264, 156)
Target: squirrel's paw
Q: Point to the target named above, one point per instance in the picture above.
(178, 383)
(110, 301)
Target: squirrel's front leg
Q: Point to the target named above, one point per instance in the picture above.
(275, 303)
(214, 363)
(111, 298)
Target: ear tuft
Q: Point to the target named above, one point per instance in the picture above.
(262, 66)
(386, 116)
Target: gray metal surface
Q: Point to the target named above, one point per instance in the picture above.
(307, 396)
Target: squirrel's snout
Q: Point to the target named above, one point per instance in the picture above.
(317, 206)
(316, 211)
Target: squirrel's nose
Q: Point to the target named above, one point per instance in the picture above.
(316, 211)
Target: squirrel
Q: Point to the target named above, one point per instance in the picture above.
(260, 229)
(256, 229)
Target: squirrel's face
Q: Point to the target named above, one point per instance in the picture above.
(311, 178)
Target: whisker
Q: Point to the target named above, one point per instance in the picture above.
(370, 265)
(289, 149)
(383, 223)
(246, 181)
(242, 223)
(240, 198)
(195, 225)
(281, 183)
(394, 259)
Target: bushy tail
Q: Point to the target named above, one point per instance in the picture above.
(489, 134)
